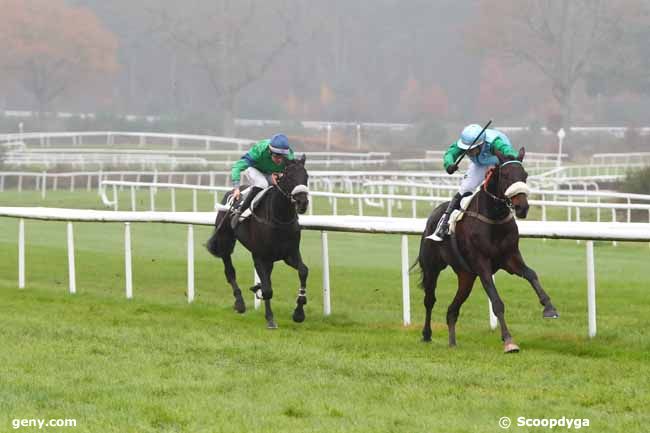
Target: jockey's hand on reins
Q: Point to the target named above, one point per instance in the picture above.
(451, 169)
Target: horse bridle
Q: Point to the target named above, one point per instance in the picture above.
(290, 196)
(300, 188)
(518, 187)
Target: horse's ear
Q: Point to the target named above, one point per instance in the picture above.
(501, 156)
(522, 153)
(302, 159)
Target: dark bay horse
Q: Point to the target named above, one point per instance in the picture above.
(271, 233)
(486, 240)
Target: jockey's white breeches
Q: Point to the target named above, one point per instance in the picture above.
(253, 177)
(473, 177)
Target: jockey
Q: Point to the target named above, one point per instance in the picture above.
(482, 157)
(259, 168)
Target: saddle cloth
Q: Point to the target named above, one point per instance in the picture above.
(258, 198)
(457, 214)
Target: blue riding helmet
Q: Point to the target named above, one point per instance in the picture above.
(279, 144)
(469, 134)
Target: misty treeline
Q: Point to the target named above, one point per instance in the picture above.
(523, 62)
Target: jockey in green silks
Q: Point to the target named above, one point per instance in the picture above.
(482, 157)
(258, 168)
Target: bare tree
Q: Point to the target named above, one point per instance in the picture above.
(562, 39)
(232, 42)
(50, 47)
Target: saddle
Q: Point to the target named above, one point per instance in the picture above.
(248, 212)
(458, 214)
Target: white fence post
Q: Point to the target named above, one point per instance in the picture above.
(21, 254)
(128, 274)
(44, 186)
(190, 263)
(358, 136)
(115, 198)
(133, 205)
(71, 269)
(406, 289)
(591, 289)
(327, 306)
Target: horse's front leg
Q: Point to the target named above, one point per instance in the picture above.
(484, 269)
(516, 265)
(295, 261)
(264, 269)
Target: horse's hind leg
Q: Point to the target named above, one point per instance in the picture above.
(264, 269)
(465, 283)
(516, 265)
(231, 277)
(429, 282)
(430, 264)
(295, 261)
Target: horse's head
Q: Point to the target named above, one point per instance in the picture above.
(511, 182)
(293, 183)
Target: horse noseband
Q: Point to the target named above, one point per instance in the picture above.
(517, 188)
(297, 190)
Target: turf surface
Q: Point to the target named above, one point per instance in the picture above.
(157, 364)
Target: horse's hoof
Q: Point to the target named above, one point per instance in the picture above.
(240, 306)
(298, 316)
(271, 325)
(426, 340)
(510, 348)
(551, 314)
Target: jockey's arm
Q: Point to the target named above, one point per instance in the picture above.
(503, 147)
(235, 173)
(451, 155)
(248, 160)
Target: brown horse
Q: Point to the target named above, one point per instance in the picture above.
(485, 240)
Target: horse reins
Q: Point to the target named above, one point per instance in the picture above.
(290, 196)
(519, 187)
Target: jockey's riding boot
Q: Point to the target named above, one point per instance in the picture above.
(236, 213)
(442, 229)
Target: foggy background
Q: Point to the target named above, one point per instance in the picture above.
(198, 65)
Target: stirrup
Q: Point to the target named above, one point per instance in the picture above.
(440, 232)
(437, 237)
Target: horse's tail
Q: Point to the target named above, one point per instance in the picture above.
(222, 242)
(429, 259)
(417, 264)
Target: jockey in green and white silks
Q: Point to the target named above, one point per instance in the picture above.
(258, 169)
(482, 157)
